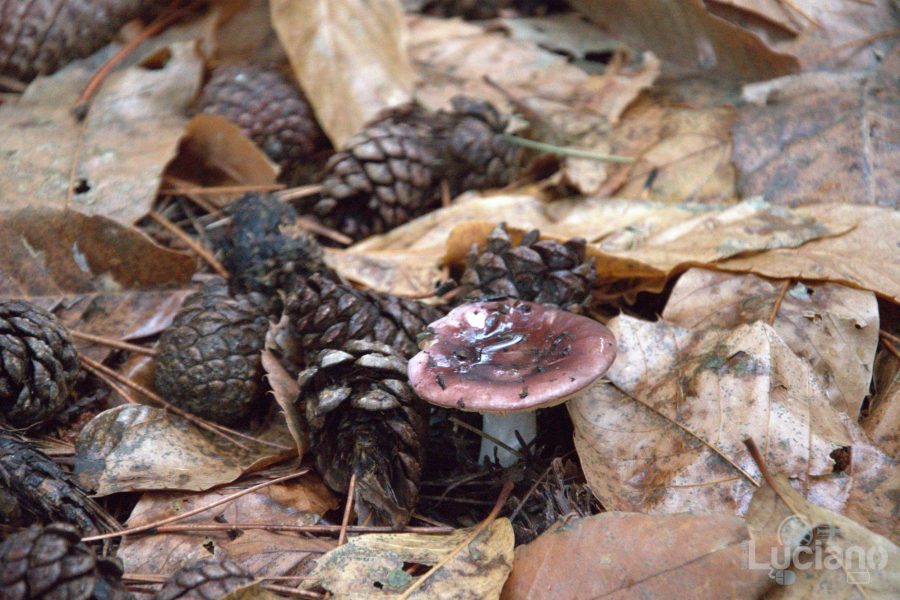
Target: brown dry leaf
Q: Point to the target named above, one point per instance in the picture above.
(690, 37)
(666, 435)
(285, 390)
(684, 153)
(244, 28)
(130, 134)
(97, 276)
(568, 33)
(855, 562)
(299, 502)
(833, 37)
(268, 554)
(629, 555)
(135, 447)
(214, 152)
(376, 561)
(840, 144)
(882, 424)
(867, 257)
(832, 327)
(348, 55)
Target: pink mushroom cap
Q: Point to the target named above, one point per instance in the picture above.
(509, 356)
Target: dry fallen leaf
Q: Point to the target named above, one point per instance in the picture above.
(372, 565)
(629, 555)
(135, 447)
(299, 502)
(834, 145)
(98, 276)
(131, 132)
(690, 37)
(349, 56)
(666, 434)
(833, 556)
(883, 421)
(832, 327)
(285, 391)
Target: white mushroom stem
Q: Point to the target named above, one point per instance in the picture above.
(504, 427)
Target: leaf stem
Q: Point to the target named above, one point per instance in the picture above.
(566, 151)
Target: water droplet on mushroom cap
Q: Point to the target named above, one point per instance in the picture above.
(509, 356)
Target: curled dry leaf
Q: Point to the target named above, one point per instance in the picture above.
(98, 276)
(299, 502)
(666, 434)
(630, 555)
(832, 327)
(135, 447)
(856, 563)
(690, 37)
(348, 55)
(268, 554)
(376, 561)
(883, 421)
(839, 144)
(131, 132)
(285, 390)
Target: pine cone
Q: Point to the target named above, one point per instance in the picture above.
(324, 313)
(269, 110)
(38, 37)
(391, 171)
(209, 358)
(39, 364)
(206, 579)
(264, 246)
(365, 419)
(538, 271)
(52, 562)
(33, 488)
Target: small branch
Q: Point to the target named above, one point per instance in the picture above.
(566, 151)
(112, 384)
(778, 301)
(112, 343)
(299, 192)
(191, 243)
(891, 348)
(222, 189)
(348, 508)
(316, 227)
(314, 529)
(283, 589)
(498, 506)
(196, 511)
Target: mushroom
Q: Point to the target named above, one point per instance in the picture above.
(505, 359)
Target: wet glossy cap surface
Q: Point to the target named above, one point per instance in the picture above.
(509, 356)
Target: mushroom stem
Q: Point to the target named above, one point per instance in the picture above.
(503, 427)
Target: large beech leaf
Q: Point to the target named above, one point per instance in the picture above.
(629, 555)
(349, 56)
(377, 561)
(96, 275)
(666, 434)
(135, 447)
(131, 132)
(833, 327)
(855, 562)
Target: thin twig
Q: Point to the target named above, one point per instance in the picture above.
(316, 529)
(160, 23)
(112, 343)
(891, 348)
(498, 506)
(777, 306)
(222, 189)
(283, 589)
(530, 491)
(111, 383)
(348, 508)
(196, 511)
(299, 192)
(889, 336)
(566, 151)
(221, 430)
(488, 437)
(198, 249)
(316, 227)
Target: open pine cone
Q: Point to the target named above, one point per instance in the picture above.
(38, 364)
(209, 358)
(535, 270)
(206, 579)
(52, 562)
(39, 37)
(365, 419)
